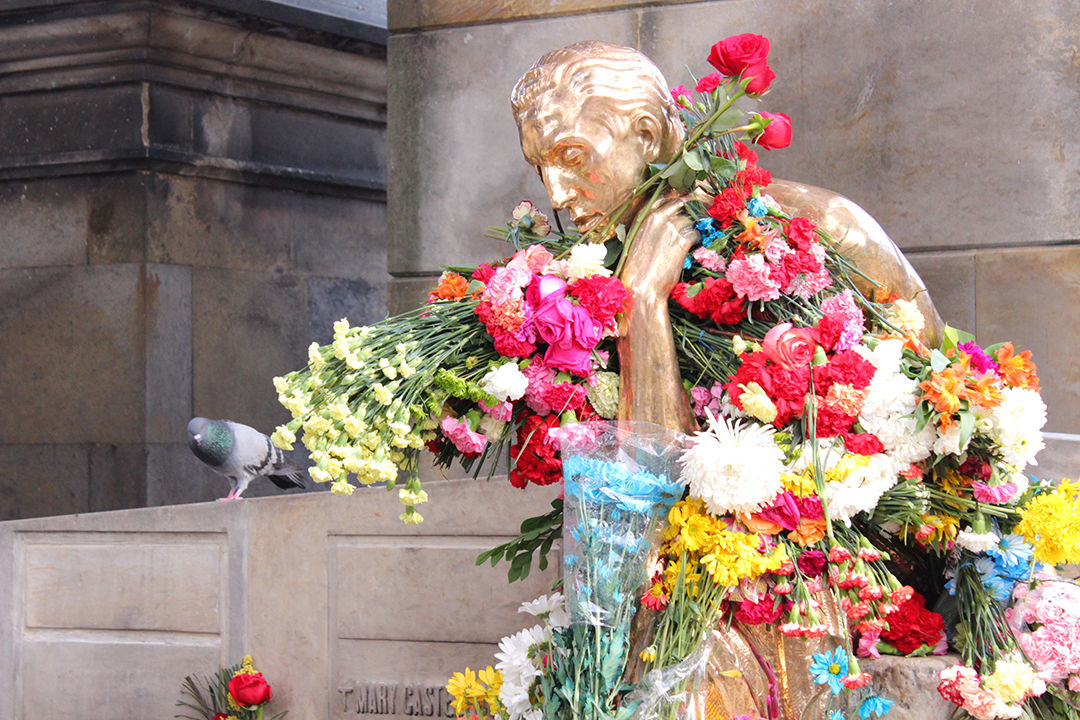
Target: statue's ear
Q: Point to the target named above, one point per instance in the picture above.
(648, 130)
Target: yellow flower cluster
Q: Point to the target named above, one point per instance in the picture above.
(726, 556)
(801, 484)
(353, 422)
(476, 692)
(1051, 523)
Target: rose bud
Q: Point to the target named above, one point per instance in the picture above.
(777, 134)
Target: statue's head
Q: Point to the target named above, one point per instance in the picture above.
(592, 117)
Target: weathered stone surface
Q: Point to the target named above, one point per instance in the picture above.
(1025, 296)
(72, 369)
(342, 238)
(174, 476)
(1060, 459)
(332, 299)
(247, 328)
(950, 278)
(455, 162)
(166, 310)
(911, 683)
(118, 477)
(406, 15)
(38, 480)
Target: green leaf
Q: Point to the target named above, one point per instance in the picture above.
(967, 426)
(729, 119)
(679, 166)
(694, 160)
(723, 167)
(938, 362)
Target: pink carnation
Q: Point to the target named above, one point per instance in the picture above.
(750, 277)
(506, 285)
(469, 443)
(994, 494)
(841, 311)
(710, 259)
(534, 259)
(541, 378)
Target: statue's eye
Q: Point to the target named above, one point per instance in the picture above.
(571, 155)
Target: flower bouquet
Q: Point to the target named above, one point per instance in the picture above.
(840, 451)
(234, 693)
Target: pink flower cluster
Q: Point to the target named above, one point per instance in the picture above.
(794, 265)
(1046, 623)
(963, 686)
(529, 302)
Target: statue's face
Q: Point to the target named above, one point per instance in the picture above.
(588, 168)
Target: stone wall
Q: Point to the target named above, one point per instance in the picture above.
(189, 194)
(953, 124)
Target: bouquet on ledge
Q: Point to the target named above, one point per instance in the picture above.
(847, 478)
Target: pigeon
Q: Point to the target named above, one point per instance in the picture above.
(241, 453)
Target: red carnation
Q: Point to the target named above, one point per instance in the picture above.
(832, 421)
(535, 456)
(801, 233)
(911, 625)
(811, 563)
(564, 396)
(483, 273)
(746, 153)
(810, 507)
(753, 176)
(863, 444)
(603, 297)
(727, 205)
(757, 613)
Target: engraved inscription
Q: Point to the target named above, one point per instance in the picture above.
(387, 699)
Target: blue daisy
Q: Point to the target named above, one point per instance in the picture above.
(876, 706)
(830, 668)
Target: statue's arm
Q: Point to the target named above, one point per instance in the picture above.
(651, 386)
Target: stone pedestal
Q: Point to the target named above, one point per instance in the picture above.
(190, 193)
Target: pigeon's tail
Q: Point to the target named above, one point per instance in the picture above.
(286, 481)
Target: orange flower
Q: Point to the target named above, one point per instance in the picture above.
(1017, 368)
(451, 287)
(754, 235)
(758, 524)
(986, 390)
(945, 389)
(808, 532)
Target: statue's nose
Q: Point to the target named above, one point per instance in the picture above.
(560, 190)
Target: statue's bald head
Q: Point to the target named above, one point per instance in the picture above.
(619, 83)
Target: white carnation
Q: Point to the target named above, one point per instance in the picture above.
(948, 442)
(586, 260)
(977, 542)
(506, 382)
(1017, 426)
(861, 489)
(733, 467)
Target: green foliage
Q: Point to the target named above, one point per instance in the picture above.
(537, 534)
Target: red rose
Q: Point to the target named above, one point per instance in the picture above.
(777, 134)
(734, 55)
(789, 348)
(250, 690)
(761, 77)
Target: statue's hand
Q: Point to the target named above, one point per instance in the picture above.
(655, 258)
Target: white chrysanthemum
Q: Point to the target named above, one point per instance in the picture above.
(977, 542)
(948, 442)
(518, 669)
(733, 467)
(549, 608)
(861, 488)
(586, 260)
(505, 382)
(1017, 426)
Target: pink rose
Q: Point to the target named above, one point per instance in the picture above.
(777, 134)
(788, 348)
(570, 332)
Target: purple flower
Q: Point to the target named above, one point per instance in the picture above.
(980, 361)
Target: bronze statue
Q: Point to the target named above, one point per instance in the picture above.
(592, 116)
